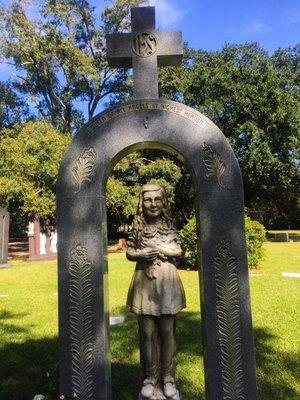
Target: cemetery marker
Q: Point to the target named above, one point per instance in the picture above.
(4, 237)
(82, 225)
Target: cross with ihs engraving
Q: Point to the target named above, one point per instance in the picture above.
(144, 49)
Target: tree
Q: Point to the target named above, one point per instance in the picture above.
(12, 107)
(60, 57)
(31, 153)
(30, 156)
(256, 104)
(287, 63)
(60, 61)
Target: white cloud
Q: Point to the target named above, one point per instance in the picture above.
(167, 14)
(257, 27)
(292, 16)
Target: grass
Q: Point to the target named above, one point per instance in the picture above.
(28, 330)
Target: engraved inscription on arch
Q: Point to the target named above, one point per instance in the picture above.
(229, 322)
(173, 108)
(81, 323)
(144, 44)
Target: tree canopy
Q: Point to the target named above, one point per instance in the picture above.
(60, 56)
(13, 108)
(61, 75)
(255, 101)
(30, 156)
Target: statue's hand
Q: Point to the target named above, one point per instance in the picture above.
(169, 251)
(148, 254)
(165, 249)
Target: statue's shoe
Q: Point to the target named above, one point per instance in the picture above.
(169, 389)
(147, 390)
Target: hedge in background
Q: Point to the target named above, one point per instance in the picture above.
(188, 236)
(255, 236)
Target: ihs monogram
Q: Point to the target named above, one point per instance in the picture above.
(144, 44)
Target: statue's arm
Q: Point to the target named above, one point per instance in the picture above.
(147, 254)
(132, 254)
(170, 251)
(132, 251)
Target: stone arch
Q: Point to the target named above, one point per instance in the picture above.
(82, 260)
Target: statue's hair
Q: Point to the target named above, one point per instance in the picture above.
(139, 220)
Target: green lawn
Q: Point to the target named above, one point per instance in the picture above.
(28, 330)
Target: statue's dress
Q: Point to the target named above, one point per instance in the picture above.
(156, 288)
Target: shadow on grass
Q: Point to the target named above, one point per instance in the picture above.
(277, 371)
(30, 368)
(10, 329)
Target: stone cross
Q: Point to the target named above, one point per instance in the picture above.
(144, 49)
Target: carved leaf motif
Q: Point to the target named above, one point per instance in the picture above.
(213, 163)
(229, 324)
(83, 168)
(81, 323)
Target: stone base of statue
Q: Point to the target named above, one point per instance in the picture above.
(158, 395)
(7, 265)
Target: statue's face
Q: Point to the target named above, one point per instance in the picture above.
(152, 203)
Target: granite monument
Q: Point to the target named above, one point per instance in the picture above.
(4, 237)
(150, 122)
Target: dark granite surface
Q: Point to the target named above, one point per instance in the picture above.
(83, 315)
(4, 236)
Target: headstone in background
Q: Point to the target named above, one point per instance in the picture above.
(53, 242)
(4, 237)
(42, 241)
(33, 234)
(281, 237)
(120, 319)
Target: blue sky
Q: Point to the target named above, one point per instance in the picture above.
(209, 24)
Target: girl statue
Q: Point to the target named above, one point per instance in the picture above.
(156, 293)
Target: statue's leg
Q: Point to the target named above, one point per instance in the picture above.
(168, 353)
(148, 344)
